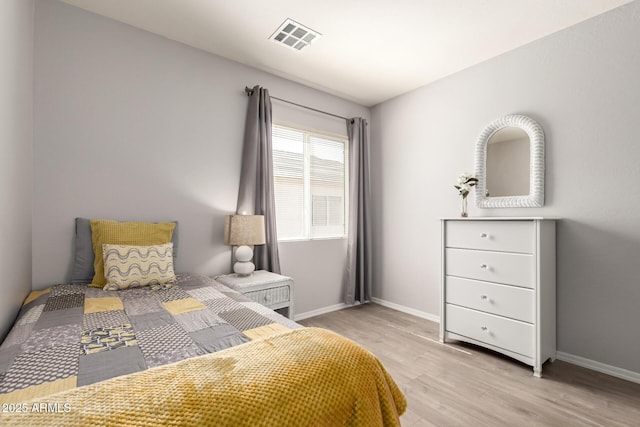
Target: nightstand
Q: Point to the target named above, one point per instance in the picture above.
(269, 289)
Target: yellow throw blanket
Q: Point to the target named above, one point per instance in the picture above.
(304, 377)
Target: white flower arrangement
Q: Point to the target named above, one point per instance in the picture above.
(465, 182)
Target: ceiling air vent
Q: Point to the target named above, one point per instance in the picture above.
(294, 35)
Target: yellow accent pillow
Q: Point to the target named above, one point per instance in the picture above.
(124, 233)
(135, 266)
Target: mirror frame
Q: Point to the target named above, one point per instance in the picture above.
(535, 198)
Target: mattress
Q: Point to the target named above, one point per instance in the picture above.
(71, 335)
(197, 353)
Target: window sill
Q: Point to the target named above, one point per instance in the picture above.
(312, 239)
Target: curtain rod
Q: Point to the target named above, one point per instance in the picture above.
(249, 91)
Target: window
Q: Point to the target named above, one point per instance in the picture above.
(310, 180)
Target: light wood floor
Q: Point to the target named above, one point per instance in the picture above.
(463, 385)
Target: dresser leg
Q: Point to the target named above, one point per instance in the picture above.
(537, 372)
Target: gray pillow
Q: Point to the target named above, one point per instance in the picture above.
(83, 261)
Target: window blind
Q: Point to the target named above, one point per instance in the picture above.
(310, 180)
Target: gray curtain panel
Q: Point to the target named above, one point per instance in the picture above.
(359, 265)
(256, 194)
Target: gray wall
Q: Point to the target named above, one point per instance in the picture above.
(16, 150)
(582, 86)
(130, 125)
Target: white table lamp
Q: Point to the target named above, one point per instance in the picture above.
(244, 231)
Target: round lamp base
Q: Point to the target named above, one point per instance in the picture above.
(244, 268)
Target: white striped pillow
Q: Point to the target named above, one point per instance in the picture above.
(134, 266)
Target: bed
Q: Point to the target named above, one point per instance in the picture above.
(192, 352)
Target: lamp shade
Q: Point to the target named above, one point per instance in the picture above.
(244, 230)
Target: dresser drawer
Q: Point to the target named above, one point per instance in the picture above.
(505, 236)
(507, 268)
(503, 300)
(270, 296)
(498, 331)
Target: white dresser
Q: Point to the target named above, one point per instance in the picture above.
(499, 286)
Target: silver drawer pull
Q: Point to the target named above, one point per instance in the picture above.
(484, 297)
(484, 328)
(484, 235)
(484, 266)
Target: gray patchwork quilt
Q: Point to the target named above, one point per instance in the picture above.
(72, 335)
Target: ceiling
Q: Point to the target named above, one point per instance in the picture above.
(370, 50)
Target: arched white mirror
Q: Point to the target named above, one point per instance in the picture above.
(510, 164)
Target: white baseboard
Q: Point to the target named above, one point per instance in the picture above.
(600, 367)
(408, 310)
(402, 308)
(319, 311)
